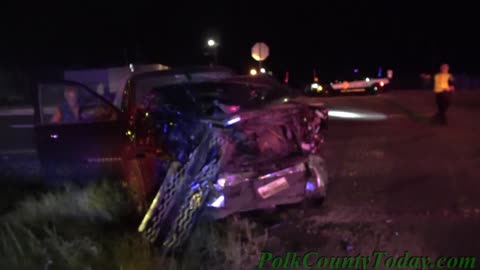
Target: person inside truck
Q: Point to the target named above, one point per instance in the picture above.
(68, 111)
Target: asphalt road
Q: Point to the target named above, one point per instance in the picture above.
(396, 182)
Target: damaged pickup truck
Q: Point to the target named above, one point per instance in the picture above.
(194, 143)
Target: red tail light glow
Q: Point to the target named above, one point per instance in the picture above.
(233, 109)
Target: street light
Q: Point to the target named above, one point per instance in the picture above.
(262, 70)
(212, 47)
(253, 72)
(211, 43)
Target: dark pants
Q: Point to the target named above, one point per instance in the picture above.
(443, 102)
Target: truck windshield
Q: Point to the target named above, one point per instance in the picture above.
(193, 96)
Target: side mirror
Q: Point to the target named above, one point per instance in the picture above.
(96, 112)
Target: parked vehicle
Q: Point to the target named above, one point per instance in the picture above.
(368, 85)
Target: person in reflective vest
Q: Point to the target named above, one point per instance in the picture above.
(443, 88)
(68, 111)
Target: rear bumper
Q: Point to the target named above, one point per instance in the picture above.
(309, 182)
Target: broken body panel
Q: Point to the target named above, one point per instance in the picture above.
(271, 157)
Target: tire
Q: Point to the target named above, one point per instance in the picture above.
(182, 197)
(373, 90)
(314, 202)
(318, 170)
(141, 179)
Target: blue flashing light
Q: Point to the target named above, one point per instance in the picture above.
(310, 186)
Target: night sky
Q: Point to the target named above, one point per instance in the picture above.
(331, 36)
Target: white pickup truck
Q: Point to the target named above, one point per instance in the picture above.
(367, 85)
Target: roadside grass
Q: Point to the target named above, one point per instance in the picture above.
(95, 228)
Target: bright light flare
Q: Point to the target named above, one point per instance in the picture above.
(222, 182)
(233, 120)
(262, 70)
(342, 114)
(356, 115)
(211, 43)
(382, 84)
(219, 202)
(253, 72)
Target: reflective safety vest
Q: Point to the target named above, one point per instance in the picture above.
(442, 82)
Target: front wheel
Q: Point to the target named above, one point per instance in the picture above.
(141, 178)
(373, 90)
(316, 184)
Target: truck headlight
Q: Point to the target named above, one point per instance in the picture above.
(217, 202)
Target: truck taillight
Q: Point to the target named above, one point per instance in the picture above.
(233, 109)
